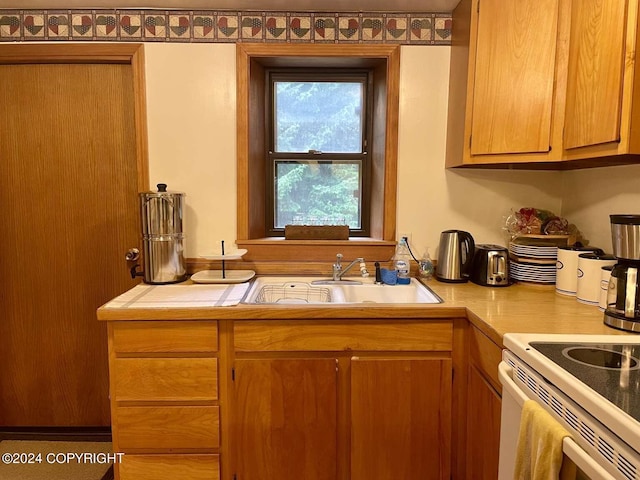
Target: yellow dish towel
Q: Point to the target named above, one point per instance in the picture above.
(539, 451)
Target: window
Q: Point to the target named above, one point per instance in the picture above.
(252, 114)
(318, 126)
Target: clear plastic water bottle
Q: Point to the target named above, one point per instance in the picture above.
(402, 261)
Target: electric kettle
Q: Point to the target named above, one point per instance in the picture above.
(455, 254)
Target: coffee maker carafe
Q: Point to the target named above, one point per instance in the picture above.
(623, 302)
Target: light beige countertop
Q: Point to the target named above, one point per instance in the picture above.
(523, 308)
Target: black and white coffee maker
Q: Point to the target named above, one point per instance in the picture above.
(623, 297)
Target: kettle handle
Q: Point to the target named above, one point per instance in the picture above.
(467, 240)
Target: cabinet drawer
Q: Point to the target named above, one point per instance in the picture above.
(151, 337)
(169, 467)
(359, 335)
(167, 427)
(176, 379)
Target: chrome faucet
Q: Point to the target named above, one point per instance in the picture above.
(338, 271)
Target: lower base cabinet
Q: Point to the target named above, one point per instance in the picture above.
(483, 429)
(170, 467)
(400, 418)
(165, 407)
(286, 417)
(344, 401)
(350, 399)
(484, 401)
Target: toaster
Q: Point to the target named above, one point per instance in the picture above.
(490, 266)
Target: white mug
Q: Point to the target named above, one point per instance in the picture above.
(604, 286)
(567, 268)
(589, 276)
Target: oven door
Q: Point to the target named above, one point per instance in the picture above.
(512, 400)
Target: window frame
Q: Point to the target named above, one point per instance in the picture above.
(275, 254)
(329, 74)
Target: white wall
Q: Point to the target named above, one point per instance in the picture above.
(192, 146)
(191, 116)
(590, 196)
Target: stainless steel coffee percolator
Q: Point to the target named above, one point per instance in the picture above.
(162, 237)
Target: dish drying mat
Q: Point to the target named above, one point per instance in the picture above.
(180, 296)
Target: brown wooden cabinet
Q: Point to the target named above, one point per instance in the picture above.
(400, 418)
(342, 399)
(165, 409)
(505, 89)
(326, 399)
(603, 87)
(286, 418)
(484, 404)
(551, 82)
(512, 98)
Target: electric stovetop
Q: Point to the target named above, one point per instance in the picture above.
(599, 373)
(611, 370)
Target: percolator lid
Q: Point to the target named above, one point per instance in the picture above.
(625, 219)
(161, 192)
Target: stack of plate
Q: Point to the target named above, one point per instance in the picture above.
(533, 259)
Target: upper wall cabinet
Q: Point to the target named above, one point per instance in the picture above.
(512, 98)
(544, 83)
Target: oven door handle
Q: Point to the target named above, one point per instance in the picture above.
(569, 447)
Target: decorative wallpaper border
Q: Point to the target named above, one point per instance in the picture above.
(224, 26)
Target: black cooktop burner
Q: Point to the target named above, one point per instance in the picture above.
(600, 358)
(611, 370)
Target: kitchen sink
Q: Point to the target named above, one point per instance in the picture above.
(308, 290)
(292, 291)
(415, 292)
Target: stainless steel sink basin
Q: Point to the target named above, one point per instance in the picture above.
(307, 290)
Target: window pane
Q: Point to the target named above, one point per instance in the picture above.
(317, 193)
(325, 116)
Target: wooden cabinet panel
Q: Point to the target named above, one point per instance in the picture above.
(486, 355)
(514, 76)
(169, 467)
(286, 420)
(175, 379)
(299, 335)
(594, 82)
(165, 336)
(483, 428)
(400, 418)
(174, 427)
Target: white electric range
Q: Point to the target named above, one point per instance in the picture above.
(588, 383)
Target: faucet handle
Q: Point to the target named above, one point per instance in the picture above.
(363, 268)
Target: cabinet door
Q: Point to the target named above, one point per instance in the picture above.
(514, 76)
(285, 418)
(594, 83)
(483, 428)
(400, 418)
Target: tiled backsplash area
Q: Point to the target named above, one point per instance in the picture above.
(225, 26)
